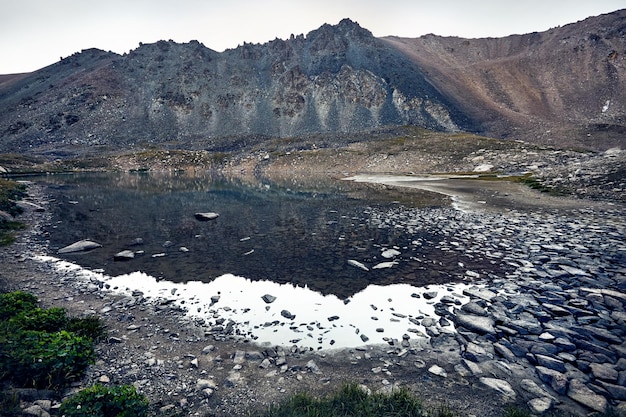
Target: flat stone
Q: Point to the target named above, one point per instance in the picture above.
(555, 379)
(504, 352)
(582, 394)
(476, 353)
(564, 344)
(526, 326)
(531, 387)
(312, 367)
(205, 383)
(36, 410)
(482, 293)
(540, 405)
(499, 385)
(474, 308)
(429, 295)
(286, 314)
(438, 370)
(557, 311)
(390, 253)
(604, 372)
(472, 367)
(478, 324)
(551, 363)
(617, 392)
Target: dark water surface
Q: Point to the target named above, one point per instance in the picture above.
(265, 231)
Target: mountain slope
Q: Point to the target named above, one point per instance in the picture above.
(569, 80)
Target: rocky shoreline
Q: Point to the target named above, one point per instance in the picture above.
(548, 335)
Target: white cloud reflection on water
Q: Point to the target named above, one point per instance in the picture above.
(240, 300)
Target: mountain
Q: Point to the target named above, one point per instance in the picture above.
(561, 85)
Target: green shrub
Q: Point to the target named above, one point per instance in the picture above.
(90, 327)
(43, 348)
(49, 320)
(101, 401)
(13, 303)
(44, 360)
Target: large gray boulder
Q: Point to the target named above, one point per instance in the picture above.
(80, 246)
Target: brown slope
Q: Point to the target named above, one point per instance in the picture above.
(548, 87)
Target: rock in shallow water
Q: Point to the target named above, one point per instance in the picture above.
(203, 217)
(80, 246)
(125, 255)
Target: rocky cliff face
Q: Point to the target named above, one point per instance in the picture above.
(335, 79)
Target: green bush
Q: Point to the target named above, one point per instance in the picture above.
(13, 303)
(49, 320)
(101, 401)
(44, 360)
(43, 348)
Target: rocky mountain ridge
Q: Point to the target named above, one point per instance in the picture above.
(336, 79)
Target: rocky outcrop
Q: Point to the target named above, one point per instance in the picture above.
(336, 79)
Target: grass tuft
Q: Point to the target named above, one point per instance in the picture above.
(353, 401)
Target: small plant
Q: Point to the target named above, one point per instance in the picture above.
(101, 401)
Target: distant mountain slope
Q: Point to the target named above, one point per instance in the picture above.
(556, 86)
(540, 86)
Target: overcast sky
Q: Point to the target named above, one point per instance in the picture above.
(37, 33)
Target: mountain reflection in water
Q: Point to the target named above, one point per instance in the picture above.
(266, 231)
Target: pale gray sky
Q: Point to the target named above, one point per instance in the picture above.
(36, 33)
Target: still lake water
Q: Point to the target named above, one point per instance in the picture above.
(264, 231)
(279, 237)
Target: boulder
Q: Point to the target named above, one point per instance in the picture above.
(268, 298)
(125, 255)
(80, 246)
(478, 324)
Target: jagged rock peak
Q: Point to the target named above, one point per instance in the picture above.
(345, 28)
